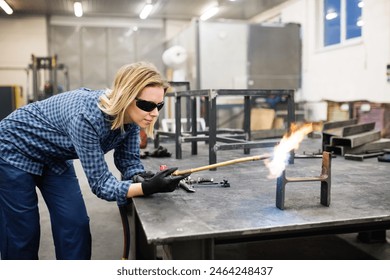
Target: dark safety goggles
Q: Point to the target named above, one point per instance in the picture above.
(148, 106)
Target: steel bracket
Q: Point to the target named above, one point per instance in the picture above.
(324, 178)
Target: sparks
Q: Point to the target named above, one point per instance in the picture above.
(277, 163)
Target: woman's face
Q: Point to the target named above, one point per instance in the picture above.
(142, 118)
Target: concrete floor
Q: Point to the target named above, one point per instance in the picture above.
(107, 237)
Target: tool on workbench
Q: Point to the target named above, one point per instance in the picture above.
(224, 184)
(220, 164)
(188, 184)
(204, 180)
(385, 157)
(199, 180)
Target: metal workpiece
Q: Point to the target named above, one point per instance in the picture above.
(361, 157)
(371, 147)
(324, 178)
(337, 124)
(348, 134)
(345, 128)
(342, 129)
(356, 140)
(350, 130)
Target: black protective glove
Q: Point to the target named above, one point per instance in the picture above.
(163, 181)
(140, 177)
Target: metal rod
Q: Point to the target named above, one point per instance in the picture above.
(220, 164)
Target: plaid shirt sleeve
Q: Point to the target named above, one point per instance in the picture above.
(88, 147)
(127, 156)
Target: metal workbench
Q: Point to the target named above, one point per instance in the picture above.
(193, 225)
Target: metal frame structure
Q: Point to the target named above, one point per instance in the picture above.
(191, 112)
(224, 139)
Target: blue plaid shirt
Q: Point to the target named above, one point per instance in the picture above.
(52, 132)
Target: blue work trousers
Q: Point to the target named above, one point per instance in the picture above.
(19, 214)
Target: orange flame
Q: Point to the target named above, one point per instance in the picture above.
(277, 163)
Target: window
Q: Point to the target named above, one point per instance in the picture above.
(342, 20)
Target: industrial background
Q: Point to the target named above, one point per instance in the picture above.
(333, 54)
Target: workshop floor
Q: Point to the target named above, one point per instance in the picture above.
(107, 236)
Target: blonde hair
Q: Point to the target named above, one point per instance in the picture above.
(129, 82)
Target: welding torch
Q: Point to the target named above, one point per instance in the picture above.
(220, 164)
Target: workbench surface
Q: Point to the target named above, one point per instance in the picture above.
(360, 199)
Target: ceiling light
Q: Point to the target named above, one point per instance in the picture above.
(146, 10)
(331, 15)
(78, 9)
(359, 22)
(209, 13)
(6, 7)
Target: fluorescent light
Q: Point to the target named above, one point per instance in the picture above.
(7, 9)
(78, 9)
(146, 11)
(210, 13)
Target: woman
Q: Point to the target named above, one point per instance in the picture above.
(39, 141)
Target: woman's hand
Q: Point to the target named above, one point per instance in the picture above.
(162, 181)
